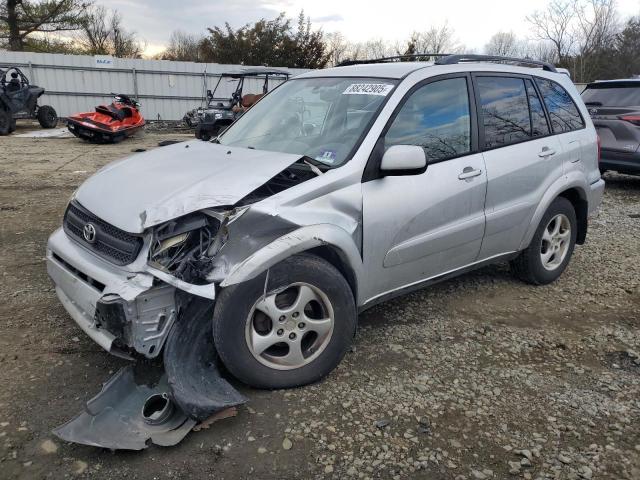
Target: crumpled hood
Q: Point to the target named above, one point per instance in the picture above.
(152, 187)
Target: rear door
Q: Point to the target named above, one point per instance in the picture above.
(522, 157)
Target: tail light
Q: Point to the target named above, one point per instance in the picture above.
(599, 148)
(635, 119)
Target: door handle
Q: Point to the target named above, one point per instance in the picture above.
(468, 173)
(546, 152)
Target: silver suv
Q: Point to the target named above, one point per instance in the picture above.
(338, 190)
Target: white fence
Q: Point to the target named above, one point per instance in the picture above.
(166, 90)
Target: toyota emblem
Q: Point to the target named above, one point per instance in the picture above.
(593, 111)
(89, 233)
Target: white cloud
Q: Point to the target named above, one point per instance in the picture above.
(474, 21)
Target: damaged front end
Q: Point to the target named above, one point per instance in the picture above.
(136, 315)
(150, 294)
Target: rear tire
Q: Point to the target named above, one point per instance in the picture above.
(551, 248)
(12, 125)
(309, 328)
(47, 116)
(5, 122)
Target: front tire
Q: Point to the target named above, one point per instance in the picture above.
(47, 116)
(295, 334)
(5, 122)
(551, 248)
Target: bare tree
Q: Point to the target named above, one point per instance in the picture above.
(596, 25)
(504, 44)
(540, 50)
(437, 39)
(378, 48)
(102, 33)
(184, 47)
(21, 18)
(337, 46)
(554, 24)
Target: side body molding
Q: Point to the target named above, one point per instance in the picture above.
(299, 240)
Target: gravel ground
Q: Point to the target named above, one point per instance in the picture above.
(481, 377)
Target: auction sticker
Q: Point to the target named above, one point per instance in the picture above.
(368, 89)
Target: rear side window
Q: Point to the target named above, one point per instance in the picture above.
(435, 117)
(563, 113)
(539, 125)
(612, 94)
(505, 110)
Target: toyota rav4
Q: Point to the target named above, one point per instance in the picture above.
(338, 190)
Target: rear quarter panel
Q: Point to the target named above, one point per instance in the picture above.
(580, 145)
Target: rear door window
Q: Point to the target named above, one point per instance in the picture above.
(563, 113)
(505, 110)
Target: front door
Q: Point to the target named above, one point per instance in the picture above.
(419, 226)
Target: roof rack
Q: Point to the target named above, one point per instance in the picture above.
(396, 58)
(454, 59)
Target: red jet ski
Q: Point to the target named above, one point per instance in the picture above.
(109, 123)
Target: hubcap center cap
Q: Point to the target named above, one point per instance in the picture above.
(290, 325)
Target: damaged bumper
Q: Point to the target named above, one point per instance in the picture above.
(126, 311)
(122, 311)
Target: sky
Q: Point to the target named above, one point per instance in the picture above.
(474, 21)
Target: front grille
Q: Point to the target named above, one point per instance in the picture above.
(110, 242)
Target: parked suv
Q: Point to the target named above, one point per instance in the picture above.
(614, 106)
(338, 190)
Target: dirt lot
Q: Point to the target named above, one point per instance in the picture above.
(476, 378)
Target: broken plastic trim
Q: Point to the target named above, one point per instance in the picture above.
(143, 404)
(115, 417)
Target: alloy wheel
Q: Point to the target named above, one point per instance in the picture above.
(289, 328)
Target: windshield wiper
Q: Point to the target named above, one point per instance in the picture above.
(313, 168)
(312, 162)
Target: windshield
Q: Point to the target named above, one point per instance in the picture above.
(613, 95)
(321, 118)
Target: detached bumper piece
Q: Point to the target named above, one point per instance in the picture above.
(128, 414)
(143, 404)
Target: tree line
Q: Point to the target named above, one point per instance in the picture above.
(65, 26)
(586, 36)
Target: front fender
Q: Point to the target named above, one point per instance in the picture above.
(572, 180)
(299, 240)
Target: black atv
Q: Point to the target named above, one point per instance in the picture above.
(19, 99)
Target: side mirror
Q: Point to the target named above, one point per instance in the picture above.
(403, 160)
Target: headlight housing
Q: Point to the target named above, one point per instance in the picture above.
(180, 246)
(186, 247)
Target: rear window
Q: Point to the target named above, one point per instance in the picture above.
(563, 113)
(612, 95)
